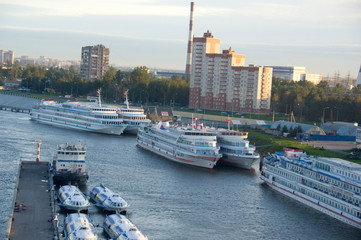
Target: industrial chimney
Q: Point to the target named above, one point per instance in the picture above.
(190, 41)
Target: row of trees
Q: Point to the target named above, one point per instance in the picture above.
(304, 99)
(143, 87)
(311, 102)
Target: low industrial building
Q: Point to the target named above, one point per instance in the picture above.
(340, 128)
(306, 128)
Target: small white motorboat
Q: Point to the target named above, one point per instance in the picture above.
(107, 199)
(119, 227)
(79, 226)
(72, 199)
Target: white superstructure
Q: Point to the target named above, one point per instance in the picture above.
(191, 146)
(107, 199)
(69, 164)
(72, 199)
(93, 117)
(79, 226)
(119, 227)
(330, 185)
(236, 149)
(134, 118)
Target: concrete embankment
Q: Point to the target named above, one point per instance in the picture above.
(32, 213)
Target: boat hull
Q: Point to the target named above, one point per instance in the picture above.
(62, 178)
(71, 208)
(107, 130)
(314, 203)
(239, 161)
(131, 130)
(207, 162)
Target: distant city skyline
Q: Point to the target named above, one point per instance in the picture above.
(323, 36)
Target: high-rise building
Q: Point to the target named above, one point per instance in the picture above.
(221, 81)
(1, 55)
(7, 56)
(94, 62)
(358, 79)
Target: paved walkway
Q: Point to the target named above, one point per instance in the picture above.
(33, 191)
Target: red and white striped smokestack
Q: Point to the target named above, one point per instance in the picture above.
(190, 41)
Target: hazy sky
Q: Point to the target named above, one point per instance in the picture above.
(322, 35)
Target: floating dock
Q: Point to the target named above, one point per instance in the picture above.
(32, 210)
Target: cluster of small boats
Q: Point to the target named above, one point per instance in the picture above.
(119, 227)
(197, 145)
(79, 226)
(71, 199)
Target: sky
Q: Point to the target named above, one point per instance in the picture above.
(322, 35)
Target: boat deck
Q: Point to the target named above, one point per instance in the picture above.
(32, 222)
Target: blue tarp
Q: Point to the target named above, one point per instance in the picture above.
(312, 137)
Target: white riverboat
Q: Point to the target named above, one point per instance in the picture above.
(134, 118)
(72, 199)
(235, 149)
(79, 226)
(119, 227)
(107, 199)
(92, 117)
(197, 147)
(68, 165)
(330, 185)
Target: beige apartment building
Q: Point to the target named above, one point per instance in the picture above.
(220, 81)
(94, 62)
(6, 56)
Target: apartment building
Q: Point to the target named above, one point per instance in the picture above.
(7, 56)
(94, 62)
(220, 81)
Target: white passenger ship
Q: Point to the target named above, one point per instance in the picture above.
(68, 165)
(107, 199)
(93, 117)
(72, 199)
(184, 145)
(236, 149)
(79, 226)
(134, 118)
(330, 185)
(120, 227)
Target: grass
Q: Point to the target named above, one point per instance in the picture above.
(267, 143)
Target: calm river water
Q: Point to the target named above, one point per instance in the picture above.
(168, 200)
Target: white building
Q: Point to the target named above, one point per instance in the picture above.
(221, 81)
(291, 73)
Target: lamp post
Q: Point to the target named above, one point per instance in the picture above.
(323, 114)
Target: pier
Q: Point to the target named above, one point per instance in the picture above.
(32, 209)
(17, 102)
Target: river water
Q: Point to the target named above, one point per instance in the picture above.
(168, 200)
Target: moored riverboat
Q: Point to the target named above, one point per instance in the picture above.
(330, 185)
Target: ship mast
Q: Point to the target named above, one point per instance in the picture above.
(126, 98)
(99, 99)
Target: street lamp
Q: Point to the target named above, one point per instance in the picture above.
(323, 114)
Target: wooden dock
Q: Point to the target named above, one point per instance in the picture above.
(34, 220)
